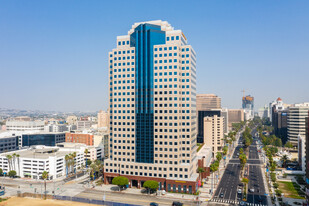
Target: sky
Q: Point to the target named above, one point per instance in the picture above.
(54, 54)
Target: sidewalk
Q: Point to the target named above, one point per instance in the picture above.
(135, 191)
(205, 190)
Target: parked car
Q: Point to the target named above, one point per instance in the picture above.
(177, 203)
(154, 204)
(251, 190)
(221, 195)
(239, 191)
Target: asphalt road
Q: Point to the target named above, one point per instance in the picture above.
(229, 183)
(136, 199)
(255, 177)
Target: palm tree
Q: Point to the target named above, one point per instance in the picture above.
(45, 176)
(67, 164)
(9, 157)
(14, 156)
(284, 160)
(86, 153)
(74, 162)
(18, 164)
(94, 168)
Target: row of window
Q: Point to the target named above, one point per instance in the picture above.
(171, 73)
(119, 70)
(123, 58)
(124, 43)
(123, 52)
(124, 64)
(124, 76)
(172, 38)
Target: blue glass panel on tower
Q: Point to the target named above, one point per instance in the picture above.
(144, 37)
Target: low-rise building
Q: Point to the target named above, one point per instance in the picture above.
(235, 116)
(83, 125)
(59, 128)
(8, 142)
(31, 162)
(87, 139)
(12, 125)
(101, 140)
(41, 138)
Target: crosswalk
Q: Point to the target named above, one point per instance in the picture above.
(235, 202)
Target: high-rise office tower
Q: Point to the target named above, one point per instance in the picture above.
(207, 102)
(296, 122)
(153, 108)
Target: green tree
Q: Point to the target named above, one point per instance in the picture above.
(12, 173)
(151, 185)
(219, 156)
(245, 180)
(243, 160)
(18, 163)
(9, 158)
(200, 170)
(241, 151)
(1, 172)
(284, 160)
(86, 154)
(88, 162)
(67, 164)
(225, 149)
(120, 181)
(44, 177)
(288, 144)
(214, 166)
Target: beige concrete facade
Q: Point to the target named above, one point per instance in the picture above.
(207, 101)
(174, 96)
(213, 133)
(235, 116)
(103, 119)
(71, 120)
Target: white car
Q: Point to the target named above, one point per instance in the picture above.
(239, 191)
(251, 190)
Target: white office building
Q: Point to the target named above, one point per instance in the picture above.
(24, 125)
(297, 121)
(31, 162)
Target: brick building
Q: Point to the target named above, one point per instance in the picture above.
(87, 139)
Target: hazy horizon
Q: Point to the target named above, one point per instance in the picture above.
(54, 54)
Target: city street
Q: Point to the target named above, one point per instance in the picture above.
(255, 177)
(229, 184)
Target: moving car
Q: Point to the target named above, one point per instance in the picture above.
(242, 203)
(251, 190)
(221, 195)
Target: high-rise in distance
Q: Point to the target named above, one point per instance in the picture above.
(153, 108)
